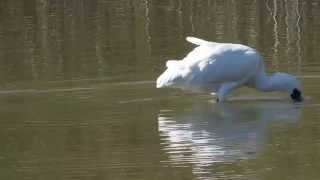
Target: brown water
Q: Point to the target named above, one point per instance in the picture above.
(78, 97)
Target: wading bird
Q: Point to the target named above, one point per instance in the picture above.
(219, 68)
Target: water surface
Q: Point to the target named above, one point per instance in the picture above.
(78, 97)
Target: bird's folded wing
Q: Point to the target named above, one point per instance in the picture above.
(198, 41)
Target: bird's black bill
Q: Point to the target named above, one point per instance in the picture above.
(296, 95)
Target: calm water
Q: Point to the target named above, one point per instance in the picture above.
(78, 97)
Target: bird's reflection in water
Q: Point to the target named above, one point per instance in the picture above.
(209, 133)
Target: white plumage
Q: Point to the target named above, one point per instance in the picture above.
(219, 68)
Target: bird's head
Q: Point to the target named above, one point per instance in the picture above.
(289, 83)
(296, 95)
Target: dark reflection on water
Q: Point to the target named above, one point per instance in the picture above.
(78, 97)
(59, 40)
(209, 134)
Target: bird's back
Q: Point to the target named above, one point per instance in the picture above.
(216, 63)
(211, 64)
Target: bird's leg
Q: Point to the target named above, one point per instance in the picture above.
(225, 89)
(215, 94)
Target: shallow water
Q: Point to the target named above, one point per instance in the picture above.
(78, 97)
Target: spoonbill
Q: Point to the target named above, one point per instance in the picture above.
(219, 68)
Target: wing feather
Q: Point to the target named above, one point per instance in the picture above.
(199, 42)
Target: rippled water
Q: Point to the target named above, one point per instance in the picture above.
(78, 97)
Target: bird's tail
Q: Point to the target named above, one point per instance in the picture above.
(173, 63)
(172, 76)
(198, 41)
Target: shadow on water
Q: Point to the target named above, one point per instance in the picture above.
(209, 133)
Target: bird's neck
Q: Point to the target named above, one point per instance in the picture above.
(263, 82)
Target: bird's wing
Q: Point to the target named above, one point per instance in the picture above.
(199, 42)
(222, 63)
(199, 54)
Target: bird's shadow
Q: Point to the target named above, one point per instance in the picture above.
(210, 132)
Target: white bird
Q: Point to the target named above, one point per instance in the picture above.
(219, 68)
